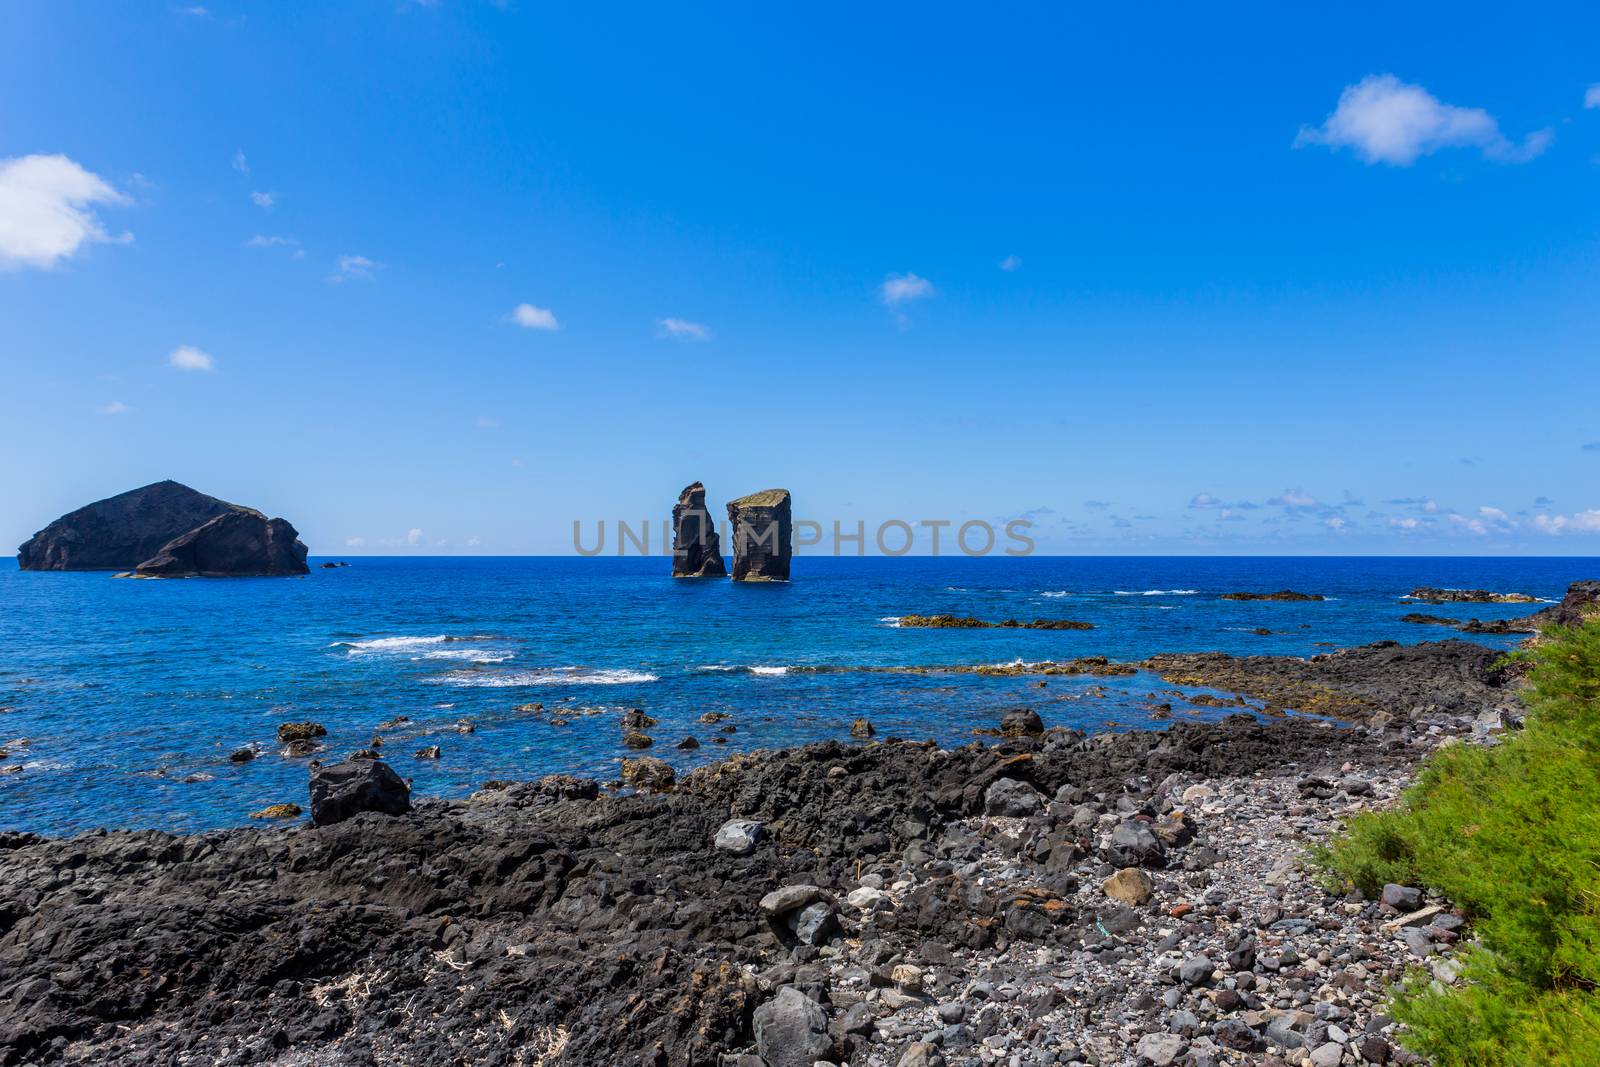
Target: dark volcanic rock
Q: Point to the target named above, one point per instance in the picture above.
(343, 790)
(762, 536)
(1581, 603)
(1282, 594)
(1431, 595)
(166, 530)
(473, 932)
(120, 532)
(1383, 678)
(239, 543)
(696, 546)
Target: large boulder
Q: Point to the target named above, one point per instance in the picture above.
(120, 532)
(696, 547)
(343, 790)
(763, 534)
(237, 544)
(792, 1030)
(158, 531)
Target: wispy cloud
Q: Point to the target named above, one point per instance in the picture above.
(262, 240)
(682, 330)
(1011, 263)
(240, 163)
(190, 358)
(900, 289)
(45, 210)
(1206, 500)
(354, 268)
(354, 542)
(1385, 120)
(1591, 98)
(116, 407)
(534, 318)
(196, 11)
(263, 200)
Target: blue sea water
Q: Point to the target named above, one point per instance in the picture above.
(128, 696)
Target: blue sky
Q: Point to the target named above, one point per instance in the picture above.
(445, 277)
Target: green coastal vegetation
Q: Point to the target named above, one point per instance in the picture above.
(1510, 834)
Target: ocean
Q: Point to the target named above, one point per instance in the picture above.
(121, 700)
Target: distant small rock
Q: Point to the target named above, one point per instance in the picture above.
(688, 744)
(1282, 594)
(1401, 897)
(242, 755)
(300, 731)
(1433, 595)
(861, 730)
(1129, 886)
(1012, 797)
(738, 836)
(430, 752)
(278, 811)
(343, 790)
(635, 739)
(648, 773)
(1021, 722)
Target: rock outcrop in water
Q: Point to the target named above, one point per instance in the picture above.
(165, 529)
(762, 536)
(1431, 595)
(236, 544)
(696, 547)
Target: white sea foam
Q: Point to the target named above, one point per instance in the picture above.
(769, 670)
(390, 644)
(545, 676)
(723, 668)
(892, 620)
(1055, 593)
(1155, 592)
(472, 655)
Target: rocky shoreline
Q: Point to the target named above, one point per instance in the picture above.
(1045, 898)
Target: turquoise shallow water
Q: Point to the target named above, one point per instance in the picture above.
(132, 694)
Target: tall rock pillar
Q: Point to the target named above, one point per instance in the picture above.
(696, 548)
(763, 535)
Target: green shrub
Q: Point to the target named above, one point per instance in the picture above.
(1511, 835)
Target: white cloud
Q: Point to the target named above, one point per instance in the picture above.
(44, 210)
(1293, 499)
(1592, 97)
(116, 407)
(1385, 120)
(1011, 263)
(1206, 500)
(900, 288)
(355, 268)
(262, 240)
(473, 541)
(1473, 526)
(1336, 524)
(413, 537)
(354, 542)
(534, 318)
(199, 13)
(1405, 524)
(263, 199)
(188, 357)
(1582, 522)
(682, 330)
(240, 164)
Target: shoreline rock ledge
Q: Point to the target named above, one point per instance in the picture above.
(166, 530)
(763, 536)
(696, 546)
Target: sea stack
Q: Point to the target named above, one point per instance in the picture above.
(166, 530)
(762, 536)
(696, 548)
